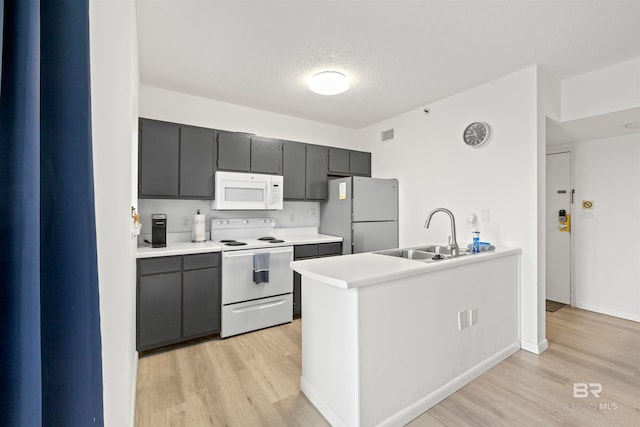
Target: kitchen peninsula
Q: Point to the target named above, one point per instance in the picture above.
(385, 338)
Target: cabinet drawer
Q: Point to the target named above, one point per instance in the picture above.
(327, 249)
(305, 251)
(159, 265)
(194, 262)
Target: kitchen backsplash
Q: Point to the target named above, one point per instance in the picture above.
(180, 213)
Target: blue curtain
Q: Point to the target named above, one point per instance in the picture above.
(49, 304)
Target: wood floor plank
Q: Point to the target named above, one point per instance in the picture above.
(254, 380)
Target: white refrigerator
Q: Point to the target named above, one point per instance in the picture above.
(363, 211)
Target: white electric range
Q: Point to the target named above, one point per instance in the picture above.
(257, 282)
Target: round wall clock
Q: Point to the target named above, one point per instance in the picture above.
(477, 134)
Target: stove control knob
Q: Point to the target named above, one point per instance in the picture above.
(244, 221)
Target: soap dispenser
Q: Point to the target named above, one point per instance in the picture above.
(476, 241)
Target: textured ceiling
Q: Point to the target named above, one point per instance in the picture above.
(399, 54)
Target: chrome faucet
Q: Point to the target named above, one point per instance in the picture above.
(453, 241)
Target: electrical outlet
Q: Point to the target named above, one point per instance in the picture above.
(313, 212)
(473, 316)
(462, 320)
(186, 221)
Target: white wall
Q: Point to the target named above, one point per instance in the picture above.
(549, 106)
(161, 104)
(114, 86)
(436, 169)
(607, 171)
(605, 90)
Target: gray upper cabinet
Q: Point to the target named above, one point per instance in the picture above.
(196, 162)
(338, 160)
(266, 155)
(179, 161)
(158, 167)
(293, 168)
(234, 151)
(349, 162)
(360, 163)
(316, 172)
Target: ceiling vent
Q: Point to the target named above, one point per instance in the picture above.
(387, 135)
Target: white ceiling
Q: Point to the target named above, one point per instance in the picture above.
(400, 55)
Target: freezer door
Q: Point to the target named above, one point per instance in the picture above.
(375, 199)
(374, 236)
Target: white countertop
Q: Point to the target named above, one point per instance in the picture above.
(304, 236)
(178, 248)
(352, 271)
(297, 236)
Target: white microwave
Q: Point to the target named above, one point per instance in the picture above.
(247, 191)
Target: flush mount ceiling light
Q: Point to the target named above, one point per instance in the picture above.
(329, 83)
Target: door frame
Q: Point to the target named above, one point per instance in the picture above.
(557, 149)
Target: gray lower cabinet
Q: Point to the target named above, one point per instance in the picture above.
(198, 296)
(178, 298)
(311, 251)
(159, 309)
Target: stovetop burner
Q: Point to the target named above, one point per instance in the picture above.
(227, 241)
(234, 243)
(267, 238)
(276, 241)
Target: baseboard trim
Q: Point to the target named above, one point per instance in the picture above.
(609, 312)
(409, 413)
(534, 348)
(414, 410)
(321, 405)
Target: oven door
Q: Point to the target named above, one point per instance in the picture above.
(237, 274)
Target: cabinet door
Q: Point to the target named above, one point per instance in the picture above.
(293, 170)
(196, 162)
(297, 294)
(316, 174)
(360, 163)
(234, 151)
(201, 302)
(266, 155)
(338, 161)
(329, 249)
(159, 310)
(158, 159)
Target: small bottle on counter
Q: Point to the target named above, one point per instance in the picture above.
(476, 241)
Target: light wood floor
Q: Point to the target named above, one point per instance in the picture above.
(254, 379)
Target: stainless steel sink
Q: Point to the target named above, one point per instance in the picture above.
(428, 253)
(440, 249)
(407, 253)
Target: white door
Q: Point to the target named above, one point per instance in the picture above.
(558, 246)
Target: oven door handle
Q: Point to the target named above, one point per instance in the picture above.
(259, 306)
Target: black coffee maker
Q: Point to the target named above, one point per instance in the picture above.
(158, 230)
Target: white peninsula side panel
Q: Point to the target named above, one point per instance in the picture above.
(385, 352)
